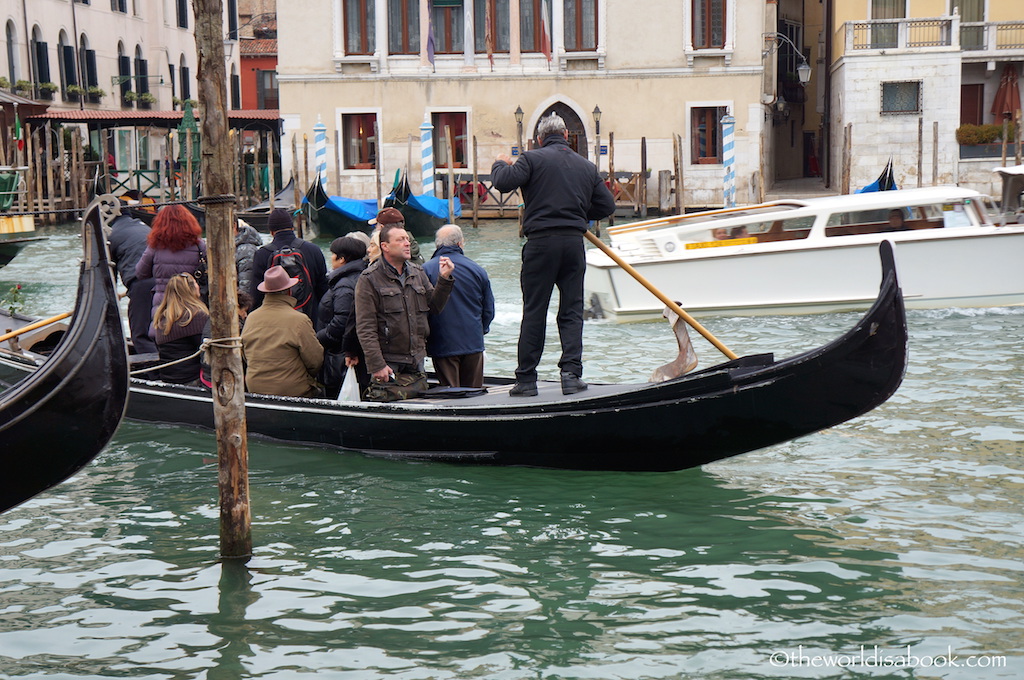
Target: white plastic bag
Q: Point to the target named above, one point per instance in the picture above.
(349, 387)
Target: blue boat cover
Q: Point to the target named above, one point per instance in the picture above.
(432, 205)
(362, 210)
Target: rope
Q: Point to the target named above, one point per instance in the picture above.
(223, 198)
(223, 343)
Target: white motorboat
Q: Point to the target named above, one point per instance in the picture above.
(814, 255)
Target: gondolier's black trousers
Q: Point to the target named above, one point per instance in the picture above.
(549, 262)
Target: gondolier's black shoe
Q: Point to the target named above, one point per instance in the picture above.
(523, 389)
(571, 384)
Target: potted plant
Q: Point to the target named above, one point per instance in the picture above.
(146, 99)
(74, 92)
(4, 83)
(984, 141)
(96, 93)
(23, 87)
(129, 97)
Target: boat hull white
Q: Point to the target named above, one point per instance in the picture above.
(937, 268)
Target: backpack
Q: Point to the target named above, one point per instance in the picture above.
(291, 258)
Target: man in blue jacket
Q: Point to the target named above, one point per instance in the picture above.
(563, 192)
(456, 340)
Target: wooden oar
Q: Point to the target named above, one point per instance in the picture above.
(671, 304)
(34, 325)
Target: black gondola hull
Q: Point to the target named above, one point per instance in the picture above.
(64, 412)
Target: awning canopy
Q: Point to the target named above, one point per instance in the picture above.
(269, 119)
(26, 107)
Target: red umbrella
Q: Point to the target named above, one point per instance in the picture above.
(1007, 100)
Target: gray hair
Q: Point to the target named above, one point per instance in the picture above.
(448, 235)
(550, 125)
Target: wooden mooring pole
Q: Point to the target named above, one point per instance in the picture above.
(225, 356)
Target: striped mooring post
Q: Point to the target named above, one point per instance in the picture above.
(427, 156)
(729, 161)
(320, 147)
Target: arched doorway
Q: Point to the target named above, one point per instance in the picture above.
(577, 133)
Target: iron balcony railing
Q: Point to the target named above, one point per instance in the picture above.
(898, 34)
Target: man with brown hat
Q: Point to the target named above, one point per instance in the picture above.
(393, 216)
(281, 351)
(302, 259)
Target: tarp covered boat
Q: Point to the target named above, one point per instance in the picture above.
(424, 214)
(334, 216)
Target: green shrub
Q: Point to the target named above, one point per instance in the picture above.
(989, 133)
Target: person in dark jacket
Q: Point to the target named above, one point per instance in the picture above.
(393, 297)
(563, 192)
(127, 243)
(247, 242)
(179, 321)
(174, 246)
(283, 232)
(336, 313)
(456, 340)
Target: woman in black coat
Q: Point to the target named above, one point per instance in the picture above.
(336, 313)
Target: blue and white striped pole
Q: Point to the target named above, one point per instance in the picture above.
(729, 160)
(427, 156)
(320, 147)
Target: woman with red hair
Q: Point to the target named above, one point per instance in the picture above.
(175, 246)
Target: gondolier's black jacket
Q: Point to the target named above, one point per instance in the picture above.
(562, 190)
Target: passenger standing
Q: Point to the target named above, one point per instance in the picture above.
(394, 217)
(179, 321)
(282, 354)
(175, 246)
(456, 341)
(393, 297)
(336, 312)
(128, 237)
(302, 259)
(563, 191)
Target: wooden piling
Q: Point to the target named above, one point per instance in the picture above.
(611, 172)
(641, 193)
(225, 357)
(476, 183)
(337, 162)
(451, 173)
(677, 169)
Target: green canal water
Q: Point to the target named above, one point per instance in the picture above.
(890, 547)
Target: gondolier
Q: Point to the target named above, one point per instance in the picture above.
(563, 192)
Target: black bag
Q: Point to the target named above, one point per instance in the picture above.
(202, 274)
(404, 386)
(291, 258)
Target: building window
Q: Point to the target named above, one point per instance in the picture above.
(500, 26)
(360, 140)
(182, 6)
(535, 26)
(186, 81)
(266, 90)
(403, 27)
(901, 97)
(359, 27)
(708, 24)
(456, 123)
(580, 25)
(448, 20)
(12, 58)
(119, 6)
(706, 134)
(42, 57)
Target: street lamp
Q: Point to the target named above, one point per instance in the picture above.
(519, 127)
(597, 135)
(772, 43)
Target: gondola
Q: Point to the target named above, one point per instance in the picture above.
(256, 216)
(146, 209)
(59, 416)
(333, 216)
(424, 214)
(725, 410)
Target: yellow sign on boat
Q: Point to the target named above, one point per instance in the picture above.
(719, 244)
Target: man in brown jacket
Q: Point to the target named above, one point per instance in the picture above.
(281, 351)
(393, 297)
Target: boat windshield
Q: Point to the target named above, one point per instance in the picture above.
(907, 218)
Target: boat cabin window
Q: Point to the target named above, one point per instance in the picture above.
(784, 230)
(929, 216)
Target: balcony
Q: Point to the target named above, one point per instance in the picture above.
(992, 40)
(978, 41)
(902, 34)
